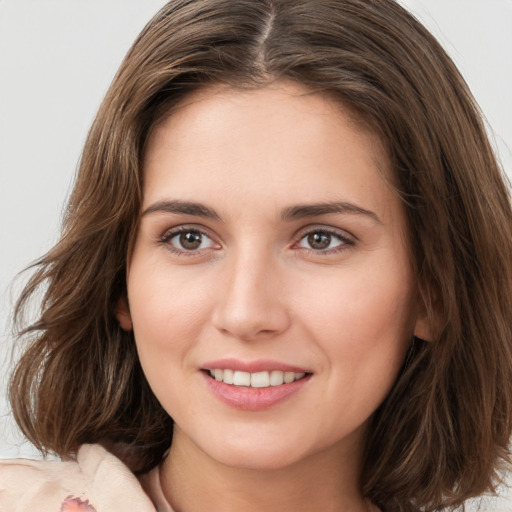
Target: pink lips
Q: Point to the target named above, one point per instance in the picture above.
(260, 365)
(249, 398)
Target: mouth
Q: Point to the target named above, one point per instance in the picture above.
(263, 379)
(254, 385)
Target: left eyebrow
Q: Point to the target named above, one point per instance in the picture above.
(182, 207)
(314, 210)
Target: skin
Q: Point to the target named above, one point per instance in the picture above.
(256, 288)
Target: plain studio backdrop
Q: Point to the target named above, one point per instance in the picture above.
(57, 58)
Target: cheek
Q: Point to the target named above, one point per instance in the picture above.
(168, 314)
(363, 327)
(168, 311)
(363, 320)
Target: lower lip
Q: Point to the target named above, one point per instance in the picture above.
(253, 399)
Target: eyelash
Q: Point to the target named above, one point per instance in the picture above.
(346, 241)
(172, 233)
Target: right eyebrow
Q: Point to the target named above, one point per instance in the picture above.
(316, 210)
(182, 207)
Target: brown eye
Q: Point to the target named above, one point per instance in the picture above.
(190, 240)
(187, 240)
(323, 240)
(319, 241)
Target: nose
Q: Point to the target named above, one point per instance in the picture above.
(251, 302)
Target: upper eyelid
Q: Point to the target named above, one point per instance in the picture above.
(342, 233)
(180, 228)
(170, 232)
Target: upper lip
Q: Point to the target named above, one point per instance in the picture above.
(259, 365)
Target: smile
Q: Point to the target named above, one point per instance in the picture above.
(263, 379)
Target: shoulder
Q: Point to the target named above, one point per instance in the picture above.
(95, 482)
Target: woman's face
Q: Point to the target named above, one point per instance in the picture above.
(270, 250)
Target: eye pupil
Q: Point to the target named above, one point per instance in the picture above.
(319, 240)
(191, 240)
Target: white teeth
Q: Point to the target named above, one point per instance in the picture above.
(228, 376)
(260, 380)
(241, 378)
(255, 380)
(276, 378)
(289, 377)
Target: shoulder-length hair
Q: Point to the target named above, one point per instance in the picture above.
(442, 432)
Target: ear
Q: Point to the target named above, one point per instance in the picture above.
(123, 315)
(423, 328)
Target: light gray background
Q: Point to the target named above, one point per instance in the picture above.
(57, 58)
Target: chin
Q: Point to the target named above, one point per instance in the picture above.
(256, 454)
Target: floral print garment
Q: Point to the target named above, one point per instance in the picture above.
(76, 505)
(95, 482)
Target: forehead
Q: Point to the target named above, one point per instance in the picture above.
(284, 100)
(281, 142)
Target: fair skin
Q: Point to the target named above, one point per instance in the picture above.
(233, 268)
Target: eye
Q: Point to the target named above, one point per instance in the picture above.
(187, 240)
(323, 240)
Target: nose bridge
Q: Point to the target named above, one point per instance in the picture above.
(250, 303)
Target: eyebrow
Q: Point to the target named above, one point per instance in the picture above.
(314, 210)
(288, 214)
(183, 207)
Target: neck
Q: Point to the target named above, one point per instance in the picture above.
(193, 482)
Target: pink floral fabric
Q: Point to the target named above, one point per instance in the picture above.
(96, 482)
(76, 505)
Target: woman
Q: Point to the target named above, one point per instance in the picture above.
(284, 277)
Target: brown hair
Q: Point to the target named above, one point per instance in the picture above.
(440, 435)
